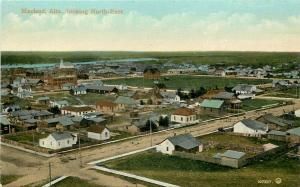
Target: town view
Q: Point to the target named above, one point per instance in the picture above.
(148, 93)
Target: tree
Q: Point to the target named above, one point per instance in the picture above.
(153, 126)
(149, 102)
(163, 121)
(55, 110)
(142, 102)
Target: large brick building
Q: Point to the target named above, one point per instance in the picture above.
(151, 73)
(64, 73)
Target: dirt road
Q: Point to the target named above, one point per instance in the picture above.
(34, 168)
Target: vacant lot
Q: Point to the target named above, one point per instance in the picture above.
(6, 179)
(188, 82)
(75, 182)
(27, 138)
(190, 173)
(288, 93)
(252, 104)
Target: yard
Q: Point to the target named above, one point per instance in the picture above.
(187, 82)
(92, 98)
(185, 172)
(288, 93)
(27, 138)
(252, 104)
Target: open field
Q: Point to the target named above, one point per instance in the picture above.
(288, 93)
(188, 82)
(27, 138)
(185, 172)
(253, 104)
(253, 58)
(75, 182)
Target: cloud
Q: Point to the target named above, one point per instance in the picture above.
(136, 31)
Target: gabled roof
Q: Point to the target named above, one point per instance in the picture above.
(65, 121)
(183, 112)
(294, 131)
(276, 120)
(278, 133)
(106, 104)
(125, 100)
(61, 135)
(186, 141)
(62, 102)
(4, 120)
(96, 128)
(212, 103)
(243, 87)
(43, 98)
(223, 95)
(79, 89)
(233, 154)
(255, 125)
(77, 108)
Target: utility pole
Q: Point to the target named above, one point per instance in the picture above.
(80, 151)
(150, 132)
(49, 173)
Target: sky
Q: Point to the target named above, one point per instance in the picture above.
(151, 25)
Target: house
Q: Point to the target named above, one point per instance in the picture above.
(225, 96)
(125, 102)
(182, 71)
(11, 108)
(79, 90)
(212, 105)
(297, 113)
(220, 72)
(77, 110)
(107, 107)
(293, 135)
(183, 143)
(275, 123)
(59, 103)
(5, 125)
(249, 127)
(277, 135)
(246, 89)
(45, 100)
(24, 92)
(233, 159)
(98, 132)
(63, 121)
(170, 97)
(35, 82)
(67, 86)
(183, 116)
(101, 89)
(58, 140)
(151, 73)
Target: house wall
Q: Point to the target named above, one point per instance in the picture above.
(183, 119)
(230, 162)
(51, 143)
(297, 113)
(166, 147)
(65, 112)
(241, 128)
(104, 135)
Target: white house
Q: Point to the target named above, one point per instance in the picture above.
(77, 110)
(170, 97)
(79, 90)
(297, 113)
(250, 127)
(98, 132)
(183, 116)
(246, 89)
(59, 104)
(58, 140)
(183, 142)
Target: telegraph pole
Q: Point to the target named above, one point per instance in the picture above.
(150, 132)
(80, 151)
(50, 173)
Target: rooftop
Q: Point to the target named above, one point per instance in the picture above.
(186, 141)
(183, 112)
(212, 103)
(233, 154)
(253, 124)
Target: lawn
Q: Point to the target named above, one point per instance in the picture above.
(225, 137)
(251, 104)
(289, 93)
(187, 82)
(27, 138)
(190, 173)
(75, 182)
(6, 179)
(92, 98)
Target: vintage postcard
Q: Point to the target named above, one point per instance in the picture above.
(129, 93)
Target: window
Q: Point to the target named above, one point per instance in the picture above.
(181, 118)
(51, 143)
(68, 141)
(43, 142)
(106, 134)
(59, 144)
(167, 148)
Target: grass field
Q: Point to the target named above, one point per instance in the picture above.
(92, 98)
(188, 82)
(289, 93)
(190, 173)
(247, 58)
(252, 104)
(26, 138)
(75, 182)
(6, 179)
